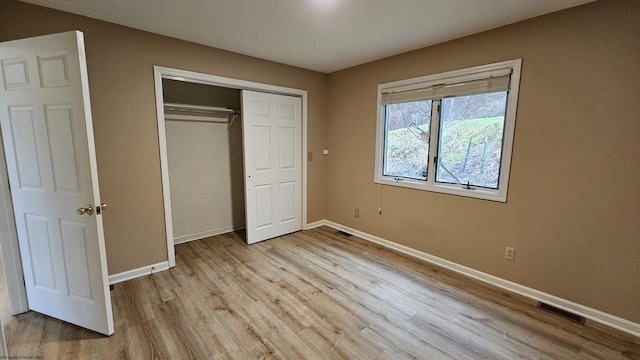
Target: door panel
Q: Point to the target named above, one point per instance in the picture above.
(61, 145)
(261, 148)
(47, 135)
(23, 132)
(287, 147)
(40, 247)
(74, 246)
(263, 208)
(272, 140)
(287, 197)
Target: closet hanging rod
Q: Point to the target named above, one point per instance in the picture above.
(200, 109)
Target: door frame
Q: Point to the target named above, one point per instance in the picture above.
(159, 73)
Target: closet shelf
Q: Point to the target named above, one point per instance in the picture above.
(186, 112)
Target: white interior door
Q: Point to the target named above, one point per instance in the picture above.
(272, 141)
(47, 133)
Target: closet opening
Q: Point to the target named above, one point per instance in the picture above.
(211, 147)
(204, 155)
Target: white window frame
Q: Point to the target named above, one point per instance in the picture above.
(430, 184)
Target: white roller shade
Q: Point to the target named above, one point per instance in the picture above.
(484, 82)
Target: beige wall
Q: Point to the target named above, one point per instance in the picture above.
(120, 62)
(573, 210)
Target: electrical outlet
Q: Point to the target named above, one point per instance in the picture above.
(509, 253)
(357, 213)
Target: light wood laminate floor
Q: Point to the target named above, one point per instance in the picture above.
(314, 295)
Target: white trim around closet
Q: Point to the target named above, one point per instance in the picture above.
(159, 73)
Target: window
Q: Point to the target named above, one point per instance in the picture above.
(451, 132)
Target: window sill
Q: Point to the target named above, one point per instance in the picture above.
(476, 193)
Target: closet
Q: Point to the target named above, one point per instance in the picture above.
(230, 156)
(205, 162)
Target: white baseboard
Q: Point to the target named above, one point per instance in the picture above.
(585, 311)
(317, 224)
(205, 234)
(135, 273)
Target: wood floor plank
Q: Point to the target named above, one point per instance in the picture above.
(314, 294)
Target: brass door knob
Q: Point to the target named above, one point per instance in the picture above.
(87, 209)
(100, 208)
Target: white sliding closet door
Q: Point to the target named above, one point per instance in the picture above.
(272, 144)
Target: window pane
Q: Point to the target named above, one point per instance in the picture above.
(406, 150)
(470, 142)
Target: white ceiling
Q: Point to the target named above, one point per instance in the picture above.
(321, 35)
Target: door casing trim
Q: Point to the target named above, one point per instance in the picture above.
(11, 261)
